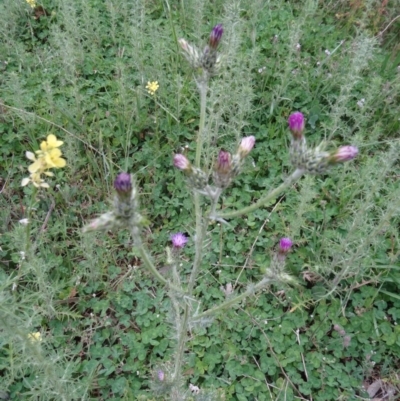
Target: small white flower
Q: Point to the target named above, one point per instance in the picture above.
(22, 253)
(360, 103)
(24, 222)
(194, 389)
(298, 46)
(327, 52)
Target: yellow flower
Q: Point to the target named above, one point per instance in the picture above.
(49, 156)
(53, 159)
(51, 143)
(35, 337)
(32, 3)
(152, 87)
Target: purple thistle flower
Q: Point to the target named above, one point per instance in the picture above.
(246, 145)
(296, 124)
(344, 154)
(284, 245)
(215, 36)
(179, 240)
(223, 162)
(181, 162)
(123, 183)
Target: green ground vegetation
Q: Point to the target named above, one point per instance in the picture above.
(78, 69)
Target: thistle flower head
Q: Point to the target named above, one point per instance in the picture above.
(181, 162)
(284, 245)
(123, 183)
(296, 124)
(215, 36)
(224, 163)
(283, 249)
(224, 169)
(344, 154)
(179, 240)
(246, 145)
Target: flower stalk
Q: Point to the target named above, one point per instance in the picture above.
(295, 176)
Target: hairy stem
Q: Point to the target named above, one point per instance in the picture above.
(296, 175)
(150, 266)
(182, 336)
(201, 228)
(232, 301)
(203, 88)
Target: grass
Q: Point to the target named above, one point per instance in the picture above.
(79, 70)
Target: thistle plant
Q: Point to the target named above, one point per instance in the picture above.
(207, 184)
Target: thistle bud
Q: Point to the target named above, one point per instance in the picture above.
(123, 183)
(181, 162)
(344, 154)
(296, 124)
(215, 36)
(246, 145)
(223, 171)
(223, 162)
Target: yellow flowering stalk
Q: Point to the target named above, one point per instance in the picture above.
(32, 3)
(49, 156)
(152, 87)
(35, 337)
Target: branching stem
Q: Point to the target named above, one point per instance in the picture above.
(232, 301)
(296, 175)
